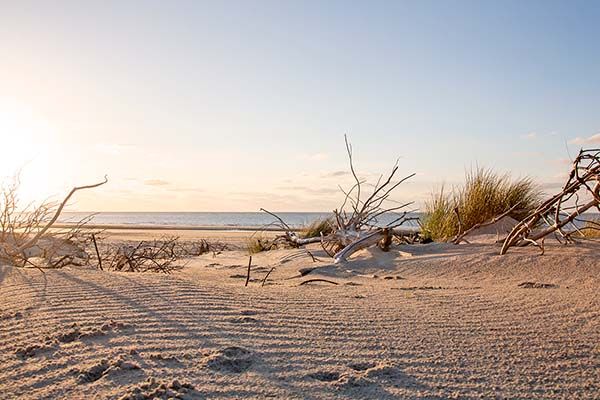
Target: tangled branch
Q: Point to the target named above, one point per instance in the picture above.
(25, 232)
(564, 208)
(356, 223)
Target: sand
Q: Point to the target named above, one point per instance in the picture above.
(422, 321)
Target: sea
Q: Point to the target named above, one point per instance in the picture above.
(228, 220)
(207, 219)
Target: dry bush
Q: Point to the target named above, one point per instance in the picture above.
(571, 206)
(166, 254)
(26, 237)
(484, 195)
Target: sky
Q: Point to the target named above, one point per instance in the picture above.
(237, 105)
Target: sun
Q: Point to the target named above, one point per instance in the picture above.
(23, 139)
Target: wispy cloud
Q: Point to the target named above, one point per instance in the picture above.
(187, 189)
(156, 182)
(530, 136)
(335, 174)
(309, 189)
(594, 139)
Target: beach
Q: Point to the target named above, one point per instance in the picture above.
(299, 200)
(420, 321)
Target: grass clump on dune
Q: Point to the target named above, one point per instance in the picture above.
(484, 195)
(257, 244)
(318, 227)
(591, 229)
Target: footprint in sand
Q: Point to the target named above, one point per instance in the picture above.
(102, 368)
(72, 333)
(164, 357)
(325, 376)
(33, 349)
(153, 389)
(361, 374)
(361, 366)
(75, 332)
(230, 359)
(341, 380)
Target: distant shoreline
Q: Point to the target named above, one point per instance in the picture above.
(173, 227)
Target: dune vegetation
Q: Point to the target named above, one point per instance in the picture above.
(484, 195)
(317, 227)
(591, 229)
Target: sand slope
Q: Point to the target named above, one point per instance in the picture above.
(449, 321)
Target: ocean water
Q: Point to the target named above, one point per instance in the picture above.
(222, 219)
(226, 219)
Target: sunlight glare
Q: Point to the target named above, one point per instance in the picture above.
(24, 137)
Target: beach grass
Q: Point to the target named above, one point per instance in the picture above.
(591, 229)
(484, 195)
(317, 227)
(257, 244)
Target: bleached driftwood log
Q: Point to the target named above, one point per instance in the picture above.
(368, 239)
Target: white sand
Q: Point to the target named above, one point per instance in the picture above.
(450, 321)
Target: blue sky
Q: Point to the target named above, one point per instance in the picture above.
(200, 106)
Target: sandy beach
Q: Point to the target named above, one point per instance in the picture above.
(421, 321)
(299, 200)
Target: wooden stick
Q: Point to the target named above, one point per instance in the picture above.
(266, 276)
(248, 275)
(97, 252)
(317, 280)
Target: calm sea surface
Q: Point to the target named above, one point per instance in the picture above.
(228, 219)
(219, 219)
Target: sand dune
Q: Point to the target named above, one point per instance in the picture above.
(432, 321)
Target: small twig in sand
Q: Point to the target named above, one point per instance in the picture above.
(317, 280)
(266, 276)
(97, 252)
(248, 275)
(539, 245)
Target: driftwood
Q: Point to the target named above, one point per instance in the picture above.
(461, 235)
(564, 208)
(356, 224)
(93, 236)
(248, 274)
(367, 240)
(266, 276)
(29, 243)
(165, 255)
(25, 234)
(317, 280)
